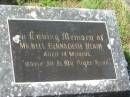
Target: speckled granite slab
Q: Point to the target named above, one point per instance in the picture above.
(9, 88)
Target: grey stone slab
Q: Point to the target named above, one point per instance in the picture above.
(10, 88)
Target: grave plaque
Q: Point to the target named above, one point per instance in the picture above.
(56, 51)
(60, 50)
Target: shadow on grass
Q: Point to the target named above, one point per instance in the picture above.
(127, 56)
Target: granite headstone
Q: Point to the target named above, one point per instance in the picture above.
(60, 51)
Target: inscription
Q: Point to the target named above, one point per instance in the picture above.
(47, 50)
